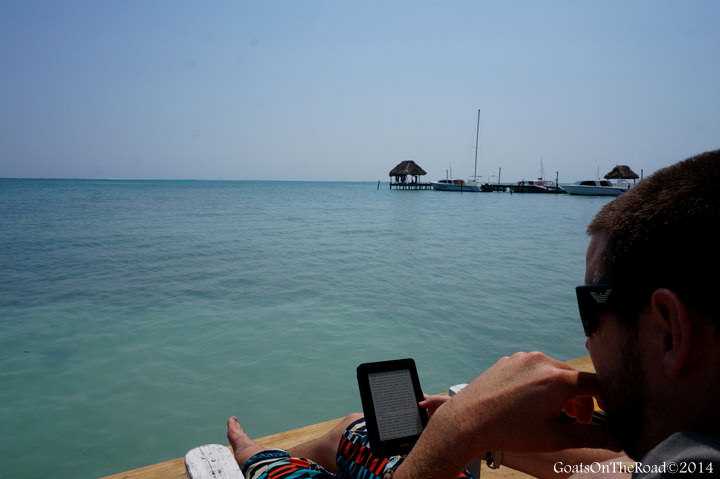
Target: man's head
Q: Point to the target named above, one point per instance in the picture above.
(663, 232)
(655, 247)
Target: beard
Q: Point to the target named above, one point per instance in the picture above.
(624, 399)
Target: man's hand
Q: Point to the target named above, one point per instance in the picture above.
(513, 407)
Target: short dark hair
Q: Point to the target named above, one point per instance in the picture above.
(663, 232)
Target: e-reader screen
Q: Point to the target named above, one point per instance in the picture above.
(390, 392)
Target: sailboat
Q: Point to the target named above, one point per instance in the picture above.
(471, 184)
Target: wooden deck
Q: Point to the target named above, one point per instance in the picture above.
(411, 186)
(517, 188)
(175, 468)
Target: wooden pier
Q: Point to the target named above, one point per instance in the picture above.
(519, 188)
(411, 186)
(488, 187)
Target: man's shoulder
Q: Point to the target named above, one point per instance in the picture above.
(681, 453)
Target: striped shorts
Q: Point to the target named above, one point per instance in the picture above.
(354, 460)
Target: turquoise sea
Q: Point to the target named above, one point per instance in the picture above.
(136, 316)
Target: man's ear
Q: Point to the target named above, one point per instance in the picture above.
(673, 318)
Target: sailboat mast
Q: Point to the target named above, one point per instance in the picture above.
(477, 138)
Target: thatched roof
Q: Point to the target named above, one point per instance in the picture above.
(409, 168)
(621, 172)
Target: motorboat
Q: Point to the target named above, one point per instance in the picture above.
(458, 185)
(597, 188)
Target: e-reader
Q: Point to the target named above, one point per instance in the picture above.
(390, 392)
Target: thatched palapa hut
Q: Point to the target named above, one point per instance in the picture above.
(621, 172)
(405, 169)
(402, 171)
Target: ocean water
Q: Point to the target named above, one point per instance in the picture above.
(136, 316)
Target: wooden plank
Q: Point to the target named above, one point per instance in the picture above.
(288, 439)
(175, 468)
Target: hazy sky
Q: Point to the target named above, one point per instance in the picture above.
(345, 90)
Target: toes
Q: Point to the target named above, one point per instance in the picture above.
(233, 423)
(234, 430)
(243, 447)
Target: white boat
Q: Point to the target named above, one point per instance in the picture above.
(457, 185)
(471, 184)
(596, 188)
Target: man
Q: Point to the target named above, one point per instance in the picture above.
(653, 333)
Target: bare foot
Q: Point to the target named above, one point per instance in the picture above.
(241, 443)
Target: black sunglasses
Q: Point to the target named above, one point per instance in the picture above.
(596, 299)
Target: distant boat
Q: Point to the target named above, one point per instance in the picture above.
(620, 173)
(459, 185)
(471, 184)
(541, 185)
(597, 188)
(536, 186)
